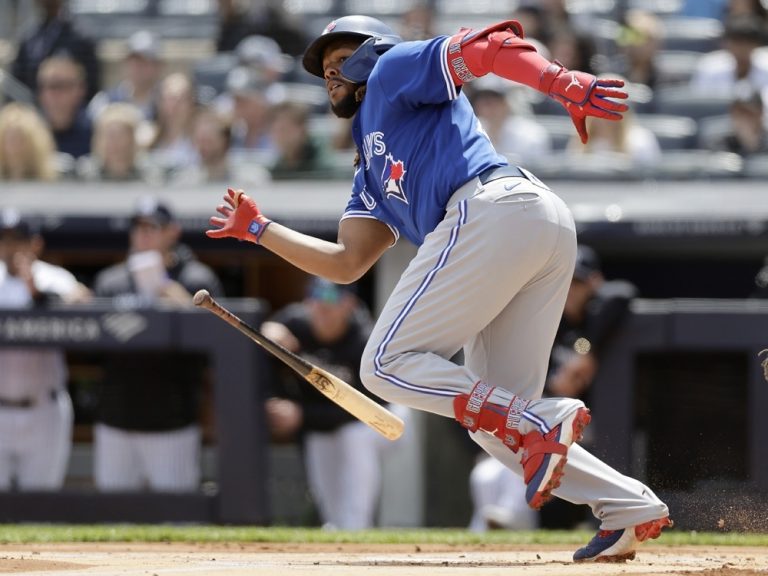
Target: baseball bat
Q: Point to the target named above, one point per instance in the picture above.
(353, 401)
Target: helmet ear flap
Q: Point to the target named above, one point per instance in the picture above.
(358, 66)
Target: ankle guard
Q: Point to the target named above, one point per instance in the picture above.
(474, 412)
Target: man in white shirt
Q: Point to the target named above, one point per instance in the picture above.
(35, 408)
(743, 59)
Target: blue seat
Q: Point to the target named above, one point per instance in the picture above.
(694, 34)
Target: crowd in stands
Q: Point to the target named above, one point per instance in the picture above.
(247, 113)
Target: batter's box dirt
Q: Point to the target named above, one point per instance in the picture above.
(260, 559)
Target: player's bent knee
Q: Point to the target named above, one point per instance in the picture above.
(373, 379)
(377, 385)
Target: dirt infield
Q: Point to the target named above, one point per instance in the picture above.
(348, 560)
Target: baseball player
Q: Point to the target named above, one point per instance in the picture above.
(342, 456)
(147, 433)
(495, 258)
(35, 407)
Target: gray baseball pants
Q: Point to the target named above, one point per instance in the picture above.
(492, 279)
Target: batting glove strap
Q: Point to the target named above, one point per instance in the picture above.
(566, 85)
(256, 228)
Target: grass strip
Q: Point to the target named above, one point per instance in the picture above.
(60, 533)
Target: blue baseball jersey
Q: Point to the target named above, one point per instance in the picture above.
(419, 141)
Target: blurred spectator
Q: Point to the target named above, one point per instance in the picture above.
(54, 36)
(517, 136)
(147, 432)
(171, 148)
(341, 133)
(417, 23)
(639, 41)
(532, 18)
(574, 49)
(140, 81)
(35, 407)
(261, 67)
(61, 93)
(211, 138)
(740, 61)
(498, 498)
(26, 145)
(263, 54)
(115, 152)
(342, 455)
(625, 141)
(241, 18)
(556, 13)
(747, 134)
(298, 154)
(595, 309)
(251, 113)
(754, 8)
(761, 286)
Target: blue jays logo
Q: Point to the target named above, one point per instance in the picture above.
(393, 175)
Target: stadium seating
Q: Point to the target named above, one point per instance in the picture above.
(694, 34)
(712, 131)
(559, 127)
(661, 7)
(756, 167)
(676, 66)
(106, 19)
(683, 101)
(698, 165)
(672, 132)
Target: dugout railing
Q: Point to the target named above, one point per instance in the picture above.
(679, 403)
(238, 369)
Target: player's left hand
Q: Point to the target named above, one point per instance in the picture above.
(584, 95)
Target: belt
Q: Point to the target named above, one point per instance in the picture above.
(24, 403)
(470, 188)
(497, 172)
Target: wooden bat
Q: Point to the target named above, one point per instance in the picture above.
(352, 400)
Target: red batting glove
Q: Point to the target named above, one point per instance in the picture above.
(242, 218)
(583, 95)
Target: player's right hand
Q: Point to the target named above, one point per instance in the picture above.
(242, 218)
(584, 95)
(280, 334)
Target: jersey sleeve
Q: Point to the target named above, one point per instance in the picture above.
(357, 208)
(413, 74)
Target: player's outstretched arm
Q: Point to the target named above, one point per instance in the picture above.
(502, 50)
(360, 244)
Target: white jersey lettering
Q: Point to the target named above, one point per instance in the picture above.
(373, 145)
